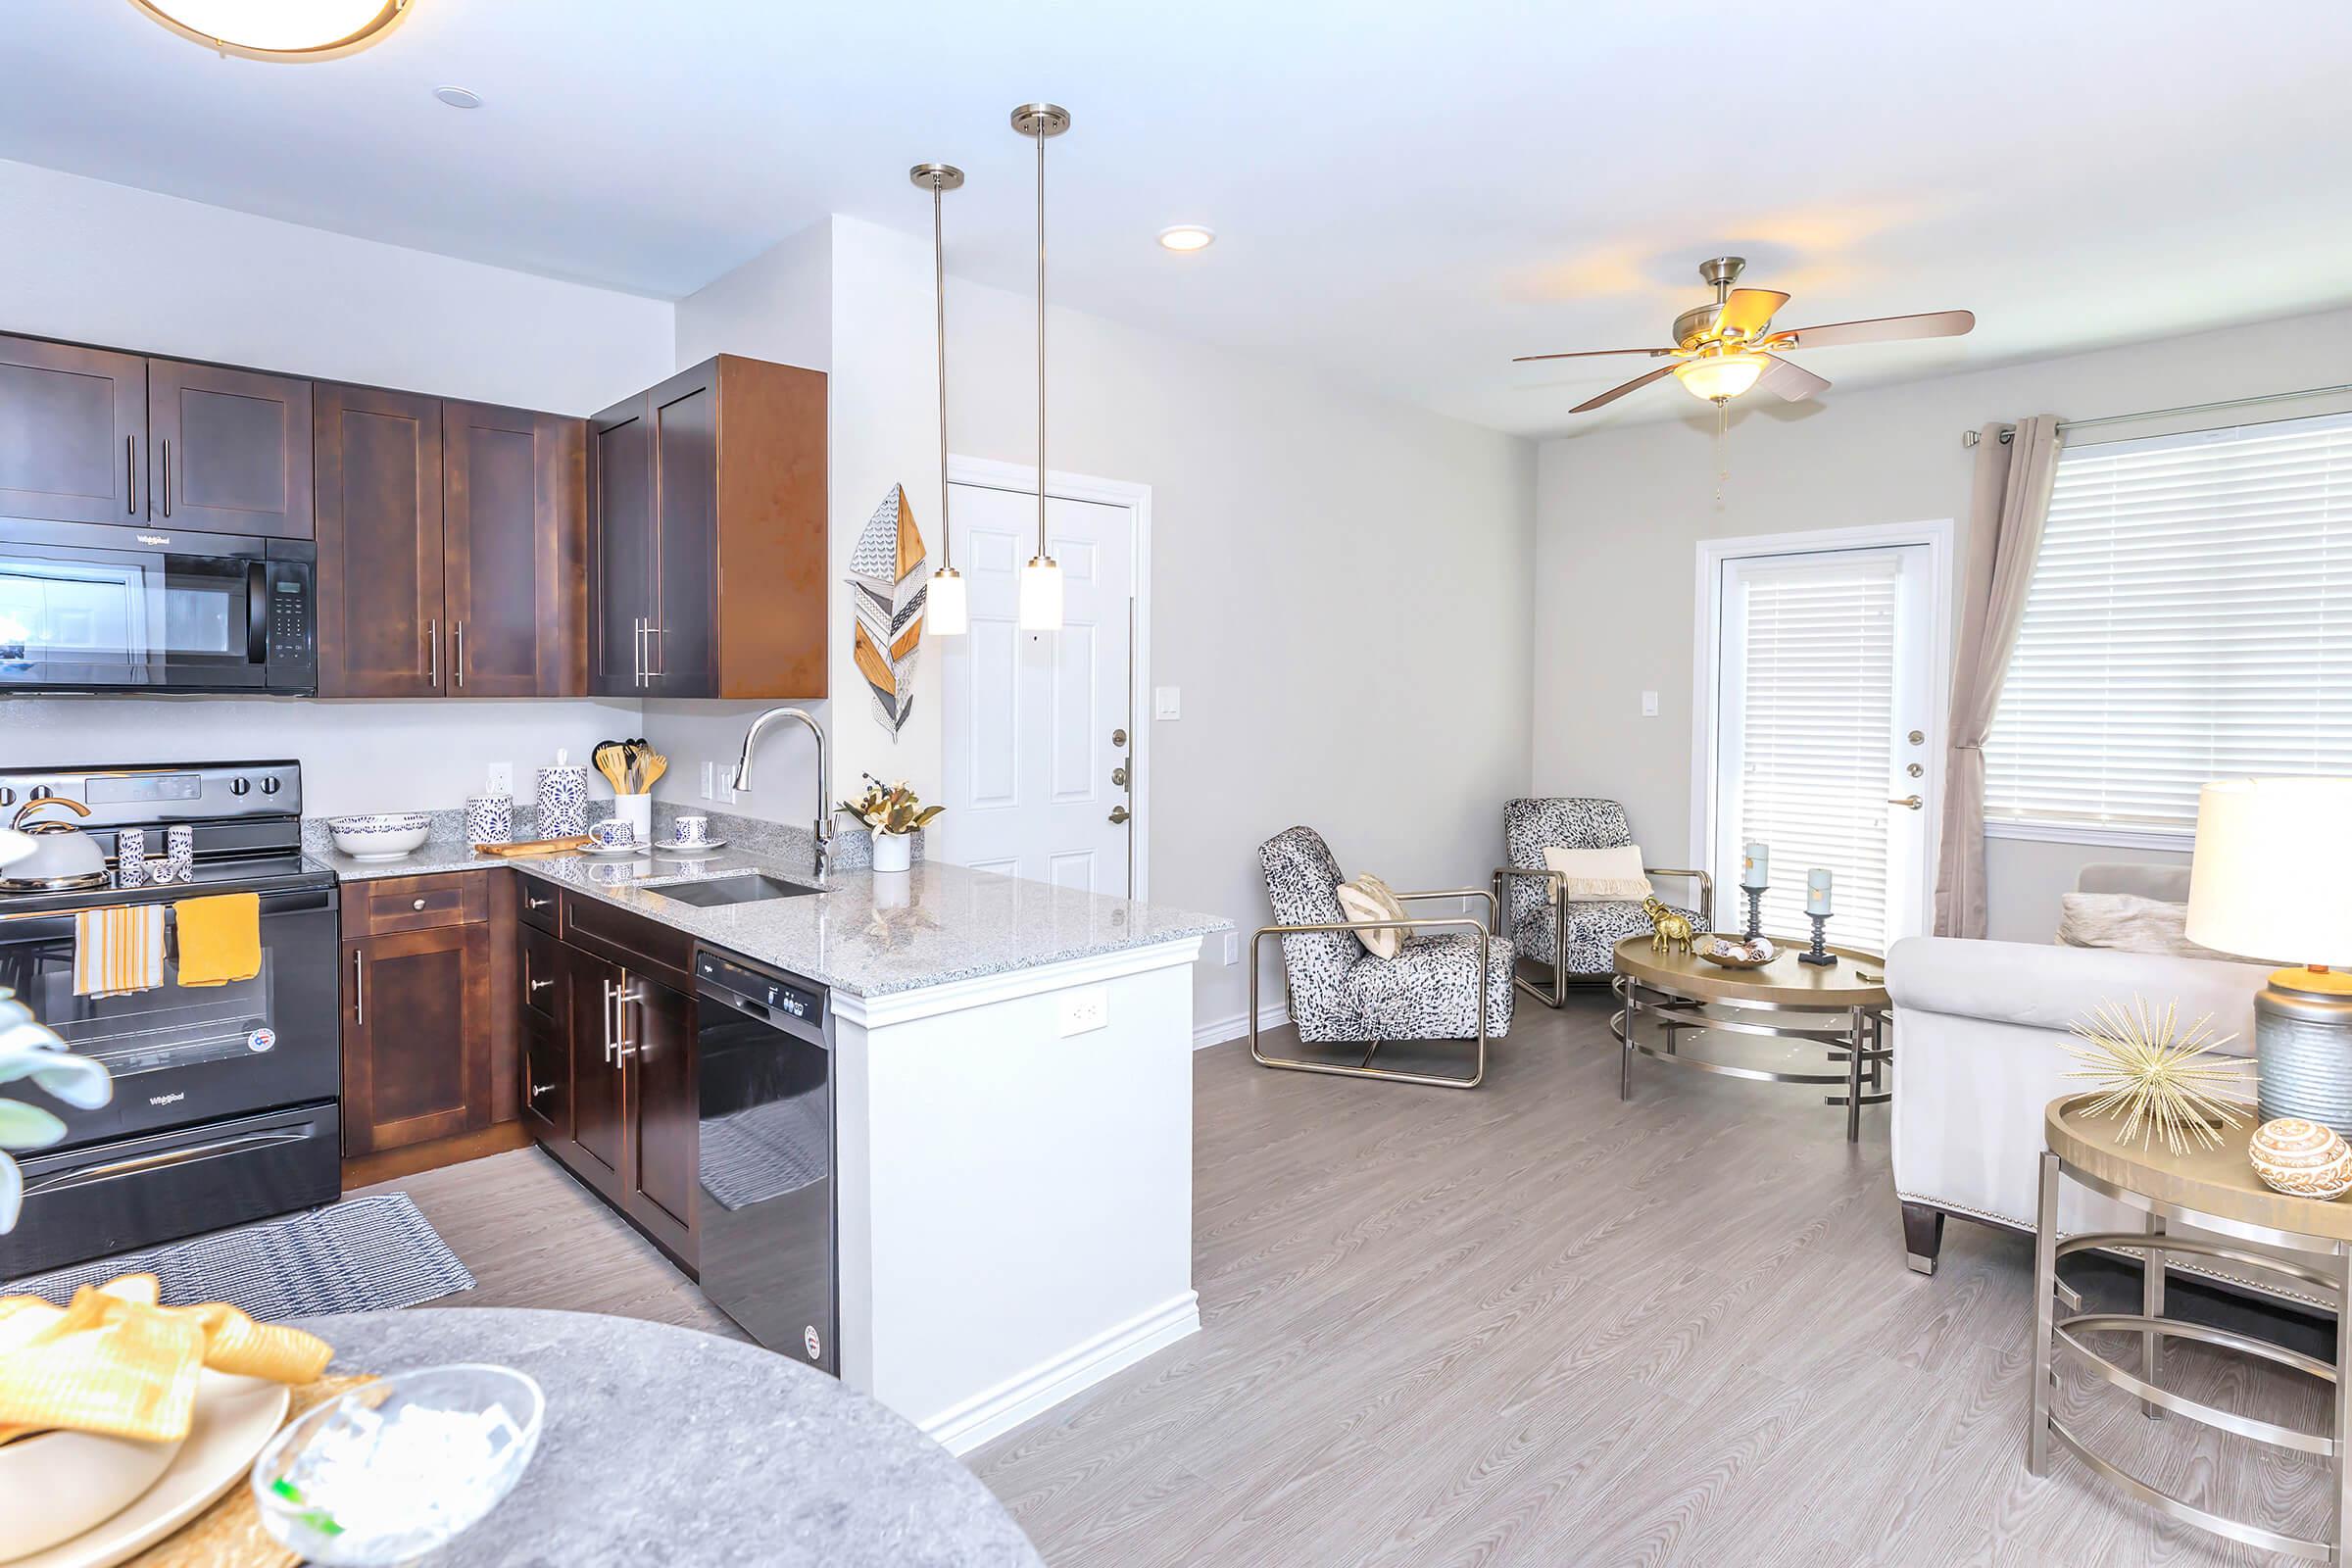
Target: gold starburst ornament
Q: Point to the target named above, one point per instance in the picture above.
(2144, 1068)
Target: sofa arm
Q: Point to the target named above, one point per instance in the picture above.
(2050, 987)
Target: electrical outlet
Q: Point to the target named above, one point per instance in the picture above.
(1233, 946)
(1650, 704)
(1167, 702)
(502, 778)
(1084, 1010)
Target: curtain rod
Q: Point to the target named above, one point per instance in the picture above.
(1969, 438)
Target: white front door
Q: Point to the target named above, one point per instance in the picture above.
(1823, 734)
(1036, 724)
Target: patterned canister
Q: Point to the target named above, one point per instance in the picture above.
(490, 818)
(563, 801)
(130, 857)
(179, 853)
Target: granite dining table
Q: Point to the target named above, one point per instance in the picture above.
(668, 1446)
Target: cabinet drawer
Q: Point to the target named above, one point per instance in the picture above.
(415, 903)
(535, 901)
(542, 994)
(630, 940)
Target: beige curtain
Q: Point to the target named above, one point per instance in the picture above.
(2005, 512)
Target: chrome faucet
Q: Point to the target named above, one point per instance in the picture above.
(824, 779)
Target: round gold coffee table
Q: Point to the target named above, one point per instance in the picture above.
(1831, 1004)
(2305, 1243)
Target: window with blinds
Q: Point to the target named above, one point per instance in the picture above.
(2190, 619)
(1815, 713)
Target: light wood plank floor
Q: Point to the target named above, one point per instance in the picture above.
(1530, 1325)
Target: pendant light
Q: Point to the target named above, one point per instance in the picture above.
(1041, 579)
(949, 612)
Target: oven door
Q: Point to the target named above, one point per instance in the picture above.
(183, 1054)
(89, 607)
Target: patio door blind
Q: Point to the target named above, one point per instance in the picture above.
(2190, 619)
(1815, 736)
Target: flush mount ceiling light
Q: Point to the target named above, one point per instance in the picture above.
(1187, 238)
(280, 29)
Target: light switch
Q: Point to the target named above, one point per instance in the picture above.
(1167, 702)
(710, 781)
(502, 778)
(1650, 704)
(1084, 1010)
(1233, 946)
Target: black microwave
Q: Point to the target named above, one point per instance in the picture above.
(88, 607)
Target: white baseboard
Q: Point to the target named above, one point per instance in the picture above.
(1216, 1031)
(993, 1412)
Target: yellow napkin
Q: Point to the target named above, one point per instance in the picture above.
(219, 938)
(114, 1361)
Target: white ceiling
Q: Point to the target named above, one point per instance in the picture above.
(1405, 194)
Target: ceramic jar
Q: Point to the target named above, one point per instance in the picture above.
(2302, 1158)
(490, 819)
(562, 799)
(130, 857)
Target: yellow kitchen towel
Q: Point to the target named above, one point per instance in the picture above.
(118, 949)
(219, 938)
(114, 1361)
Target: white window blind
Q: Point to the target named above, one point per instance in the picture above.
(1816, 738)
(2190, 619)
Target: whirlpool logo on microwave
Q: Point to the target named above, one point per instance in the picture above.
(167, 1100)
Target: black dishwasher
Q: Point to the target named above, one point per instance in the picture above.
(765, 1232)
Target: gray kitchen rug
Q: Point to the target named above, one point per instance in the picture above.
(366, 1255)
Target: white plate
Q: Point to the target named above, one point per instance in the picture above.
(234, 1418)
(669, 847)
(613, 852)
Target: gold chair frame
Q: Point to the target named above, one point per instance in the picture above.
(1556, 995)
(1364, 1068)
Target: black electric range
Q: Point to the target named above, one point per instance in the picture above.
(225, 1096)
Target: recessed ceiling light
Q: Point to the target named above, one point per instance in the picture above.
(459, 97)
(280, 29)
(1188, 238)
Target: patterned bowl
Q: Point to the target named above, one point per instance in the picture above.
(2301, 1158)
(380, 835)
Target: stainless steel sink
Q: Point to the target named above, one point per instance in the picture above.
(722, 890)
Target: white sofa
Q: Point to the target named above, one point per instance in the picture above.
(1980, 1030)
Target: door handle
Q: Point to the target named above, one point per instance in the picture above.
(637, 652)
(131, 474)
(607, 985)
(461, 656)
(539, 984)
(1118, 775)
(1118, 813)
(65, 1180)
(167, 476)
(530, 903)
(540, 1088)
(359, 985)
(432, 643)
(624, 1048)
(1912, 801)
(653, 658)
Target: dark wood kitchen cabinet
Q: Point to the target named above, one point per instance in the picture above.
(449, 548)
(72, 434)
(707, 535)
(229, 450)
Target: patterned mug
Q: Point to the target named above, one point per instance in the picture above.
(612, 833)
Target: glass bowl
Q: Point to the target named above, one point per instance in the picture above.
(395, 1468)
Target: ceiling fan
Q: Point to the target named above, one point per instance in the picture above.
(1724, 347)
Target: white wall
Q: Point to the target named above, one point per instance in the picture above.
(133, 270)
(1619, 513)
(1340, 583)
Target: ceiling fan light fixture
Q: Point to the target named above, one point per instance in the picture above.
(1720, 377)
(280, 29)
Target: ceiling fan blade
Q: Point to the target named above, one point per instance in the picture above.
(1587, 353)
(1792, 381)
(1616, 392)
(1879, 329)
(1746, 309)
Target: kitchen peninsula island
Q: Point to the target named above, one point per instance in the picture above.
(1012, 1072)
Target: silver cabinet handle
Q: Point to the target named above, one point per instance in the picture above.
(530, 903)
(167, 476)
(359, 985)
(418, 905)
(461, 656)
(655, 667)
(607, 1023)
(131, 474)
(432, 644)
(538, 985)
(624, 1047)
(540, 1088)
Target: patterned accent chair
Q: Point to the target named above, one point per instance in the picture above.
(1576, 941)
(1341, 994)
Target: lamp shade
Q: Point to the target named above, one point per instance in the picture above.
(1041, 595)
(949, 611)
(2272, 875)
(1718, 376)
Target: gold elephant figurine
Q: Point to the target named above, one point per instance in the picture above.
(1671, 932)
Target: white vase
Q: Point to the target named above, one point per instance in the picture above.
(894, 851)
(638, 812)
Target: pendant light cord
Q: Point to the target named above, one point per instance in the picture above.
(1041, 343)
(938, 287)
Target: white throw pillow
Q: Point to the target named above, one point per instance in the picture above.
(1368, 898)
(1594, 876)
(2131, 925)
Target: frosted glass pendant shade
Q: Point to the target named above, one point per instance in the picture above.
(1041, 595)
(949, 611)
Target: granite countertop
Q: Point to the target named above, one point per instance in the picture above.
(868, 934)
(664, 1445)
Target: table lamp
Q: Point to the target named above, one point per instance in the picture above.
(2273, 880)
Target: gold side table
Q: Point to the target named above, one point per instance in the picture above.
(1830, 1004)
(2239, 1221)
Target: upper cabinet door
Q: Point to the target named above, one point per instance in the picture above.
(382, 626)
(72, 434)
(233, 450)
(622, 592)
(513, 518)
(684, 644)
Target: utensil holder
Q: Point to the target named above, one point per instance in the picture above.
(638, 812)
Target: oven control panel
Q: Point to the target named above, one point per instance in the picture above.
(135, 797)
